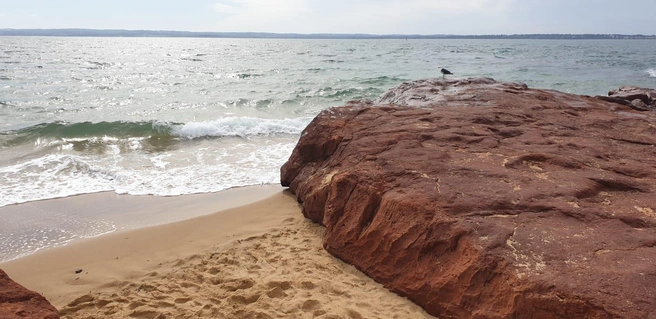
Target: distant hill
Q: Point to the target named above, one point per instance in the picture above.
(188, 34)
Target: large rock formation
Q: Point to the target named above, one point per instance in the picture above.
(480, 199)
(18, 302)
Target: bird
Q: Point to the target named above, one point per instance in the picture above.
(445, 72)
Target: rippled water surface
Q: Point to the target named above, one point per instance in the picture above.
(175, 116)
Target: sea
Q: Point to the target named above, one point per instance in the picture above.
(176, 116)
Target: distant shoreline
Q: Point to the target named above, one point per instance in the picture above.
(265, 35)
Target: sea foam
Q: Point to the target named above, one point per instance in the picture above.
(208, 165)
(241, 127)
(652, 72)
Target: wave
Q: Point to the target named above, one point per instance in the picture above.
(154, 131)
(197, 168)
(382, 80)
(247, 75)
(339, 95)
(64, 130)
(241, 127)
(652, 72)
(240, 76)
(95, 65)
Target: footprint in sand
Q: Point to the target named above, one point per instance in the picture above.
(136, 304)
(276, 292)
(145, 314)
(245, 300)
(182, 300)
(285, 274)
(310, 305)
(239, 285)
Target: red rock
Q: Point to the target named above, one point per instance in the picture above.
(480, 199)
(631, 93)
(640, 99)
(17, 301)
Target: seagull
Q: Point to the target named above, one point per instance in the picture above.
(445, 72)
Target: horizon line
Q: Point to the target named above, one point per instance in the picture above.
(3, 31)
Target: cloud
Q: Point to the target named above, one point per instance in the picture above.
(270, 9)
(223, 8)
(461, 6)
(262, 15)
(425, 16)
(362, 16)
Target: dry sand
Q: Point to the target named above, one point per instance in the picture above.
(260, 260)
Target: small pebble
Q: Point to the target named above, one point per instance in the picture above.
(78, 271)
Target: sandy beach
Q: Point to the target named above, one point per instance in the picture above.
(261, 259)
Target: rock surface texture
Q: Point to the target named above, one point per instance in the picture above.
(481, 199)
(637, 98)
(18, 302)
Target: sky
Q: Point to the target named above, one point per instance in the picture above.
(338, 16)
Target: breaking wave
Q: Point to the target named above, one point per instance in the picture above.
(107, 131)
(651, 72)
(240, 127)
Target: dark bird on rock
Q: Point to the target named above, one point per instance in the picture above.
(445, 72)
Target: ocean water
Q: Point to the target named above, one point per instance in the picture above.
(173, 116)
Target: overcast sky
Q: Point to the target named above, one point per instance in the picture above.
(339, 16)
